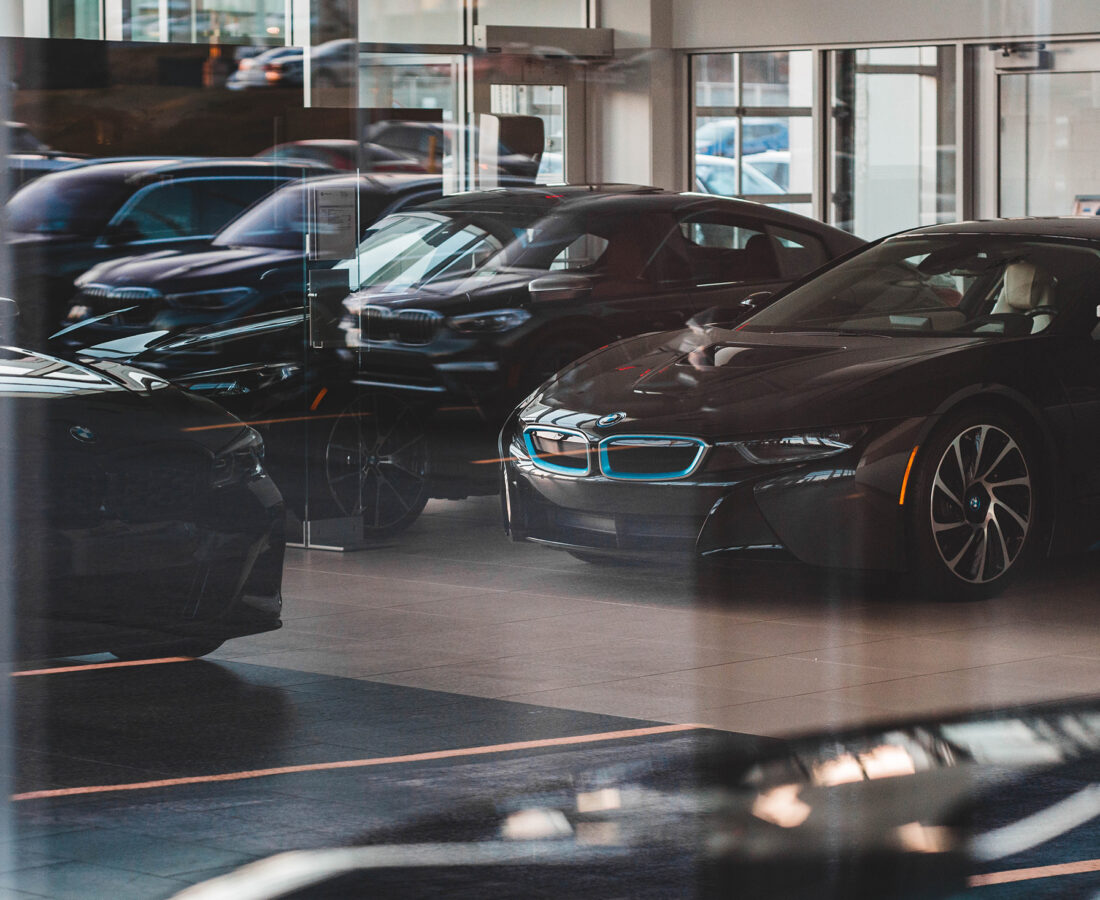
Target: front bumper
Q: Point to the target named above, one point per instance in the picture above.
(839, 512)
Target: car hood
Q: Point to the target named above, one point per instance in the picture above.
(708, 381)
(170, 271)
(454, 296)
(107, 407)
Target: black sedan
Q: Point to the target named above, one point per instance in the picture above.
(147, 523)
(930, 404)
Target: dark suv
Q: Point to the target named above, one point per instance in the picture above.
(63, 223)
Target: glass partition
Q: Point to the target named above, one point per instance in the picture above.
(893, 139)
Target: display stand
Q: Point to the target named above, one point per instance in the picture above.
(341, 535)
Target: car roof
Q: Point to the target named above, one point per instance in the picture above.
(1080, 227)
(140, 169)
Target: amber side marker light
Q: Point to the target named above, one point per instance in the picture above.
(905, 480)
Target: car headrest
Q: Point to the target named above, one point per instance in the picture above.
(1026, 287)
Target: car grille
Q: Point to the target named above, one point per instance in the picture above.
(559, 450)
(406, 326)
(629, 457)
(649, 457)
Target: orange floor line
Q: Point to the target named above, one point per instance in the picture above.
(1072, 868)
(107, 665)
(359, 763)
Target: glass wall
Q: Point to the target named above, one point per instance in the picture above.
(205, 21)
(753, 129)
(1050, 122)
(893, 138)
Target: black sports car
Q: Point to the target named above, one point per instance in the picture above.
(146, 522)
(929, 404)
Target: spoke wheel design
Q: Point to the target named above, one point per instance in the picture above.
(376, 463)
(982, 504)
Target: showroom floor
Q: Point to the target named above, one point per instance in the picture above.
(451, 663)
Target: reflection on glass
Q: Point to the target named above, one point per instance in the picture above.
(546, 102)
(894, 139)
(205, 21)
(1046, 159)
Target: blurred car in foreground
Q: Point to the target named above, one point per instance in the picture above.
(255, 263)
(921, 810)
(928, 405)
(147, 524)
(63, 223)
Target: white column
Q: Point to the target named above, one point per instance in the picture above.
(111, 25)
(36, 18)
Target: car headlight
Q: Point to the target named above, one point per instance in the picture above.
(242, 460)
(218, 299)
(804, 446)
(245, 380)
(492, 322)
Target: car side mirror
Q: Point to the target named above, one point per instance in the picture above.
(756, 302)
(560, 286)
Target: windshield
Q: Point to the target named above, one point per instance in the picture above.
(417, 248)
(942, 284)
(63, 204)
(279, 222)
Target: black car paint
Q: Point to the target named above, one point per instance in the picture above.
(135, 530)
(845, 511)
(276, 275)
(47, 263)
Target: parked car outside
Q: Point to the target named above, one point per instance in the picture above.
(62, 224)
(931, 400)
(718, 175)
(718, 137)
(277, 67)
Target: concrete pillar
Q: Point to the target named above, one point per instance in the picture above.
(638, 115)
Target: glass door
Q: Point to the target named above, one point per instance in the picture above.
(512, 95)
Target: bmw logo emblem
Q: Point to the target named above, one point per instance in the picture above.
(83, 434)
(610, 419)
(975, 503)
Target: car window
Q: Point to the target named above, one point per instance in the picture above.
(187, 208)
(723, 250)
(799, 252)
(583, 253)
(64, 204)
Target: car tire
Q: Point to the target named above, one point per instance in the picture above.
(193, 647)
(976, 506)
(376, 463)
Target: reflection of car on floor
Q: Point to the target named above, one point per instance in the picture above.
(931, 404)
(932, 809)
(462, 306)
(257, 262)
(62, 224)
(147, 524)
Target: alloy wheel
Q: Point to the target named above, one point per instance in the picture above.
(376, 463)
(982, 504)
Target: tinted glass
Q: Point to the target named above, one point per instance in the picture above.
(951, 284)
(279, 222)
(65, 205)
